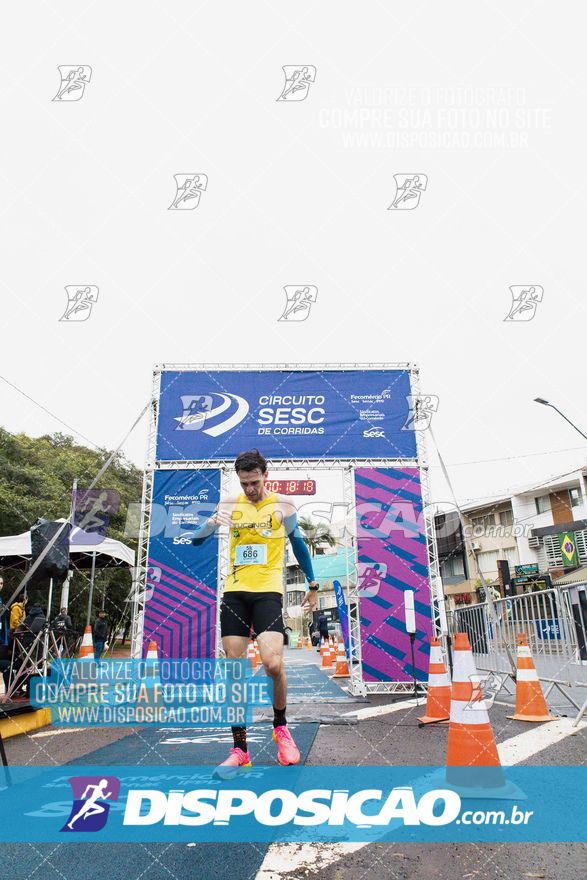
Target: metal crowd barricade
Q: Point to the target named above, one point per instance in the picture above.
(556, 635)
(543, 617)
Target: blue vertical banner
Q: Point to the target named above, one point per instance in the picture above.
(180, 611)
(343, 615)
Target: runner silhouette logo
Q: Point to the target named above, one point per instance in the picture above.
(90, 808)
(218, 412)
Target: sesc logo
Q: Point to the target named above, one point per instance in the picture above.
(373, 432)
(213, 414)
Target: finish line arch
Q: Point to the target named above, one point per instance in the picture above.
(360, 419)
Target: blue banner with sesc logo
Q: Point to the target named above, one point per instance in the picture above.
(286, 414)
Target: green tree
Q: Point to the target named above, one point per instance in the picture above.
(315, 535)
(36, 479)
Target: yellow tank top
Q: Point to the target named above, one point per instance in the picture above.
(257, 541)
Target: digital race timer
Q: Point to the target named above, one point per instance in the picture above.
(291, 487)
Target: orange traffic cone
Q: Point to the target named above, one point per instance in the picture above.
(342, 668)
(86, 652)
(438, 702)
(152, 677)
(325, 654)
(251, 655)
(309, 643)
(300, 642)
(472, 759)
(333, 652)
(530, 702)
(257, 652)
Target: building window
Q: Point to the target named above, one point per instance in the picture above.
(510, 554)
(482, 522)
(576, 499)
(506, 517)
(487, 562)
(452, 566)
(294, 576)
(542, 504)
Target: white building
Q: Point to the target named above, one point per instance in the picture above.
(523, 527)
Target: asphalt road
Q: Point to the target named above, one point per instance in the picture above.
(345, 737)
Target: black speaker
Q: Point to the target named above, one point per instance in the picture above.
(56, 562)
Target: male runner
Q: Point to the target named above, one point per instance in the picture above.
(258, 521)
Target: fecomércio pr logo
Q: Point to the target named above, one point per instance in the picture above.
(90, 802)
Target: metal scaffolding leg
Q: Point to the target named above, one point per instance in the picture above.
(356, 683)
(223, 559)
(140, 582)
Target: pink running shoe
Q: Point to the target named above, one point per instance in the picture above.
(287, 752)
(237, 762)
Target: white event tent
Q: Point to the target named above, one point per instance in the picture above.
(15, 551)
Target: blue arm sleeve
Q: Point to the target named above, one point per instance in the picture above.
(299, 548)
(201, 533)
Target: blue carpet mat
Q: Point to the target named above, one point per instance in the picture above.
(308, 684)
(157, 861)
(196, 746)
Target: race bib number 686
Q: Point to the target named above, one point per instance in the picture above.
(250, 554)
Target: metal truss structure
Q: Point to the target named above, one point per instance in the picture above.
(223, 554)
(139, 588)
(290, 464)
(348, 466)
(290, 368)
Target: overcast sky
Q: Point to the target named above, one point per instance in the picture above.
(298, 193)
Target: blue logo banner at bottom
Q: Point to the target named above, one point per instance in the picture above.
(292, 804)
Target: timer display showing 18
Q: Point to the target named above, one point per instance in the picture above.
(291, 487)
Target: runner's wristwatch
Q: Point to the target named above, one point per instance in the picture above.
(314, 589)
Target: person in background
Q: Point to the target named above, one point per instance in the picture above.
(3, 617)
(63, 620)
(34, 611)
(17, 614)
(99, 633)
(323, 626)
(5, 652)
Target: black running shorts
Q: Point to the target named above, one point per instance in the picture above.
(240, 609)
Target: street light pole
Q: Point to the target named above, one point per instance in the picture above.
(546, 403)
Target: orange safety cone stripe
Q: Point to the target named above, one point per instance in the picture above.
(530, 702)
(86, 650)
(342, 669)
(470, 738)
(465, 750)
(439, 690)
